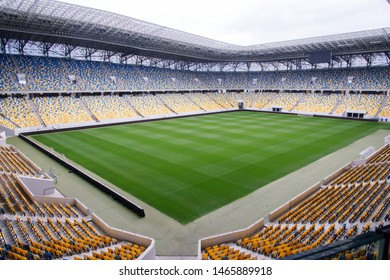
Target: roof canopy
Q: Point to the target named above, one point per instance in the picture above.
(62, 23)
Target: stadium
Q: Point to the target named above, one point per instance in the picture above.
(122, 139)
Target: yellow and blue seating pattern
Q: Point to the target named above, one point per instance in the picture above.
(355, 202)
(48, 230)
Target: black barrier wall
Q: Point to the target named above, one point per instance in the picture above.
(118, 197)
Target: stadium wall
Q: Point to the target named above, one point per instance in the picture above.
(229, 237)
(314, 115)
(8, 132)
(305, 194)
(148, 243)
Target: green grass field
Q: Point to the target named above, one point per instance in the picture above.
(189, 167)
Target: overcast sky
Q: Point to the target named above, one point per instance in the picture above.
(249, 22)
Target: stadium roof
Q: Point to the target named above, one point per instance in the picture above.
(56, 22)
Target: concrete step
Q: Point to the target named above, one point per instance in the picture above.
(176, 257)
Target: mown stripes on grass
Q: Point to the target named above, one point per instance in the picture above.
(188, 167)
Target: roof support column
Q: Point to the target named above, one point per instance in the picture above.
(68, 50)
(21, 45)
(46, 48)
(4, 45)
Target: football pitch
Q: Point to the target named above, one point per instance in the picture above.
(188, 167)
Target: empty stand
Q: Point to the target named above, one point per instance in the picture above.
(18, 111)
(179, 103)
(60, 110)
(53, 79)
(318, 103)
(31, 230)
(52, 75)
(148, 105)
(368, 103)
(108, 107)
(204, 101)
(355, 202)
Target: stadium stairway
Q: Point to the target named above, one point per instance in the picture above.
(6, 234)
(15, 63)
(162, 101)
(188, 98)
(8, 120)
(195, 103)
(229, 101)
(14, 78)
(209, 95)
(383, 104)
(68, 72)
(269, 102)
(341, 101)
(298, 102)
(34, 109)
(21, 236)
(175, 258)
(251, 98)
(133, 108)
(83, 105)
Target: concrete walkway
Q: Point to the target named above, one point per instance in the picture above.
(175, 239)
